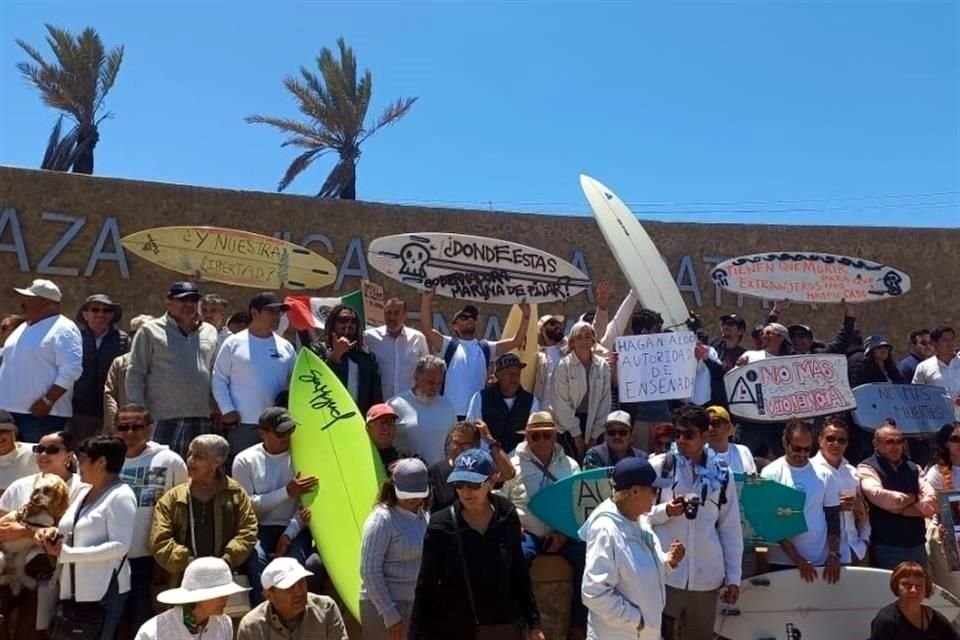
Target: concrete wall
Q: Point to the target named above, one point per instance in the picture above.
(66, 227)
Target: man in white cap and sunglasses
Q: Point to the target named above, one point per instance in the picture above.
(41, 361)
(291, 612)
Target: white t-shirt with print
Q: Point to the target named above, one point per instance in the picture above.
(150, 475)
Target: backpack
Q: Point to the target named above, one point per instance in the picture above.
(669, 470)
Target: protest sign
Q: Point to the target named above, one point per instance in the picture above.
(806, 276)
(949, 502)
(779, 388)
(656, 366)
(373, 303)
(917, 408)
(474, 268)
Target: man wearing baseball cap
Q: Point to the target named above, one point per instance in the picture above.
(291, 612)
(504, 406)
(42, 359)
(171, 365)
(252, 368)
(737, 456)
(16, 458)
(552, 341)
(616, 443)
(803, 342)
(728, 345)
(382, 429)
(467, 357)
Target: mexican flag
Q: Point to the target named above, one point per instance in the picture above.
(307, 312)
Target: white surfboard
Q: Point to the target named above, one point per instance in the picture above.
(476, 268)
(781, 606)
(808, 276)
(639, 259)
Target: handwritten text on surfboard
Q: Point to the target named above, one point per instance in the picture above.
(790, 387)
(587, 495)
(656, 366)
(223, 251)
(322, 400)
(915, 407)
(810, 277)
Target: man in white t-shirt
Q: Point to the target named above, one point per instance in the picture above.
(552, 342)
(251, 369)
(819, 545)
(16, 458)
(467, 358)
(942, 369)
(150, 469)
(397, 348)
(265, 471)
(737, 456)
(41, 361)
(424, 417)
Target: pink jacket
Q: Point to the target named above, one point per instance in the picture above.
(876, 495)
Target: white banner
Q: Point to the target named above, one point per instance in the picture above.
(656, 366)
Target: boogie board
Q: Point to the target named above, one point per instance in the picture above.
(233, 257)
(781, 606)
(769, 511)
(528, 355)
(566, 504)
(331, 443)
(808, 276)
(475, 268)
(639, 259)
(917, 408)
(781, 388)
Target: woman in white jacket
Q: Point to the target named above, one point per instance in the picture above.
(581, 389)
(623, 582)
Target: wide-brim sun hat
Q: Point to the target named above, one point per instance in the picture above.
(205, 579)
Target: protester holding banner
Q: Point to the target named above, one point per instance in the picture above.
(765, 439)
(344, 351)
(581, 390)
(397, 347)
(803, 342)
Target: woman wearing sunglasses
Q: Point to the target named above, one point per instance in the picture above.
(474, 582)
(854, 521)
(944, 475)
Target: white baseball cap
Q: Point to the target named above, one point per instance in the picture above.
(41, 289)
(283, 573)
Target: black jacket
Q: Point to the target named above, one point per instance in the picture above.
(88, 389)
(369, 391)
(499, 578)
(862, 369)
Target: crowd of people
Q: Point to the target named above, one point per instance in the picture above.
(148, 488)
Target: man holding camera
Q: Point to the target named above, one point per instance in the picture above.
(697, 504)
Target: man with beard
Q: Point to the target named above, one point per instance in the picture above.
(552, 343)
(343, 349)
(253, 366)
(467, 358)
(424, 417)
(397, 347)
(102, 342)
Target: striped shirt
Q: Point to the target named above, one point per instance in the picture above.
(390, 559)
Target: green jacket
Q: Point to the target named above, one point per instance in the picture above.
(234, 522)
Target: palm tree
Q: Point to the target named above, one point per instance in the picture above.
(336, 105)
(75, 84)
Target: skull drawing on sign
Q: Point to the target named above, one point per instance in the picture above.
(414, 258)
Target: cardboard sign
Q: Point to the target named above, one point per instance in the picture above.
(950, 519)
(777, 389)
(656, 366)
(475, 268)
(917, 408)
(373, 302)
(807, 276)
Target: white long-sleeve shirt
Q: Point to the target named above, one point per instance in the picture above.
(624, 578)
(397, 357)
(249, 372)
(264, 476)
(852, 540)
(37, 356)
(713, 540)
(98, 544)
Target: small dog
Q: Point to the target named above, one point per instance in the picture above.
(48, 502)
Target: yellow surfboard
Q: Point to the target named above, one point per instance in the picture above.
(233, 257)
(528, 355)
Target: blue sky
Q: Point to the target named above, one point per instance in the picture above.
(787, 112)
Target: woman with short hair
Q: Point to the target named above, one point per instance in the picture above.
(581, 392)
(908, 618)
(208, 515)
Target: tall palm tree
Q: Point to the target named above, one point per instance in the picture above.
(76, 84)
(336, 104)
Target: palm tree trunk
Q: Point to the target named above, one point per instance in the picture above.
(87, 138)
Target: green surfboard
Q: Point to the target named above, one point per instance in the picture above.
(331, 443)
(769, 511)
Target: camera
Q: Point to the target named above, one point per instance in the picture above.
(691, 506)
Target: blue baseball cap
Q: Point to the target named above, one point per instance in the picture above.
(473, 465)
(633, 472)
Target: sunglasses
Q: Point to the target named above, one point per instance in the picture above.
(284, 434)
(954, 439)
(347, 321)
(893, 441)
(537, 436)
(467, 486)
(685, 434)
(835, 440)
(100, 310)
(718, 423)
(50, 449)
(127, 426)
(618, 433)
(797, 449)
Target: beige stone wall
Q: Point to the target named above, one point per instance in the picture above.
(47, 205)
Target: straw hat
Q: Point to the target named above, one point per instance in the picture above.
(205, 579)
(539, 421)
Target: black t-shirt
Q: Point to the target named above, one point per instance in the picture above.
(443, 493)
(890, 624)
